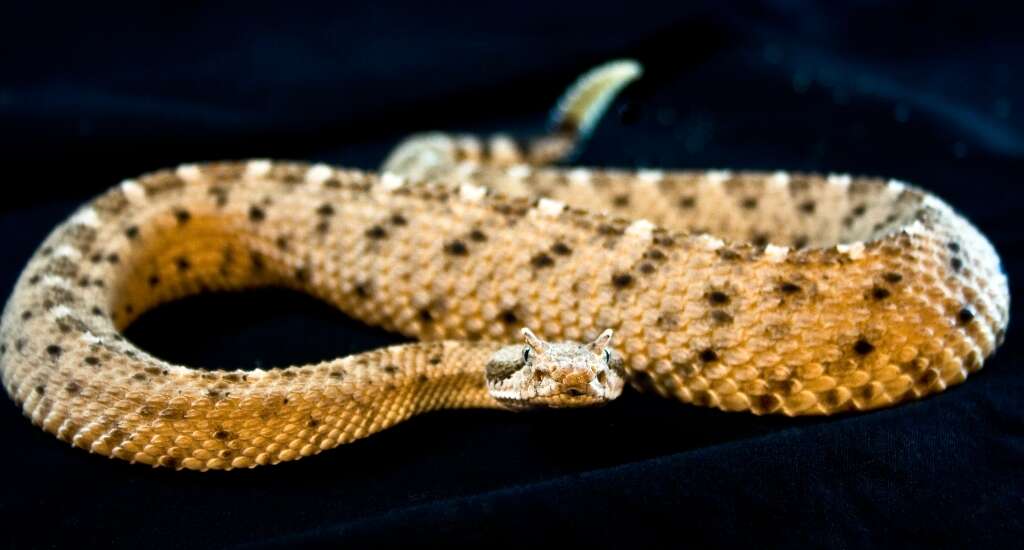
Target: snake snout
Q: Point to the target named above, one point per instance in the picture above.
(574, 381)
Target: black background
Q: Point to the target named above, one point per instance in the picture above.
(929, 94)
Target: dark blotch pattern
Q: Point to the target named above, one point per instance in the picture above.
(376, 232)
(892, 277)
(541, 260)
(708, 355)
(622, 280)
(718, 297)
(256, 214)
(456, 248)
(863, 347)
(182, 215)
(561, 249)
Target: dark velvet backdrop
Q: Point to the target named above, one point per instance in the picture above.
(929, 94)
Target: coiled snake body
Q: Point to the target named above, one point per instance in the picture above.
(764, 292)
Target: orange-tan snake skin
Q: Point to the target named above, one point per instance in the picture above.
(781, 293)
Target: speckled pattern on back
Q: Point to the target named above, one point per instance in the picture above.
(778, 293)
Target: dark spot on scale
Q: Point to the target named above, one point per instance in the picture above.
(727, 254)
(153, 281)
(72, 387)
(434, 359)
(956, 264)
(362, 289)
(256, 214)
(800, 241)
(92, 360)
(325, 209)
(26, 315)
(622, 280)
(892, 277)
(96, 258)
(879, 293)
(708, 355)
(789, 288)
(621, 200)
(965, 315)
(477, 236)
(456, 248)
(220, 195)
(767, 402)
(140, 376)
(19, 345)
(302, 274)
(182, 263)
(40, 389)
(54, 351)
(807, 207)
(96, 310)
(390, 369)
(863, 347)
(954, 246)
(129, 309)
(721, 317)
(221, 434)
(182, 215)
(398, 219)
(687, 202)
(508, 317)
(749, 203)
(33, 280)
(759, 239)
(46, 251)
(376, 232)
(258, 264)
(607, 229)
(541, 260)
(312, 423)
(113, 258)
(561, 249)
(426, 316)
(322, 226)
(281, 242)
(718, 297)
(655, 254)
(647, 268)
(664, 240)
(859, 211)
(132, 231)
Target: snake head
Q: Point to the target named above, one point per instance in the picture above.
(542, 374)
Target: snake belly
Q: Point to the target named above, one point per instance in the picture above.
(781, 293)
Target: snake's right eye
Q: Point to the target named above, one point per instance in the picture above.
(526, 354)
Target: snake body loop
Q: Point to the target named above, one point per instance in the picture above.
(764, 292)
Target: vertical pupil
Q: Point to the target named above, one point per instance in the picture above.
(526, 354)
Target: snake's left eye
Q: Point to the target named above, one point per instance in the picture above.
(526, 354)
(607, 356)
